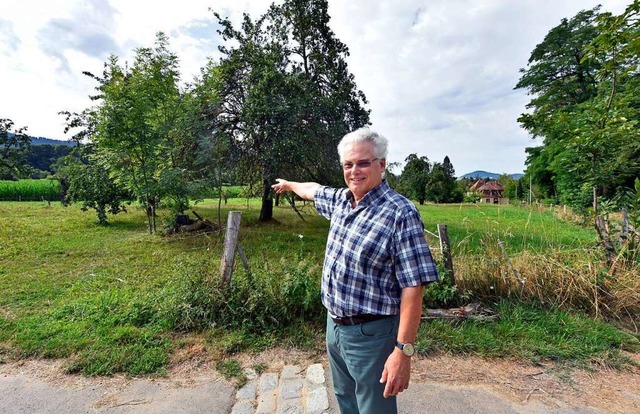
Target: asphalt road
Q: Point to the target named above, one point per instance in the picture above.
(22, 393)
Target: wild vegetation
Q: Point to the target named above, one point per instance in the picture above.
(115, 299)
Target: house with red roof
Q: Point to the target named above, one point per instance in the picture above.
(491, 192)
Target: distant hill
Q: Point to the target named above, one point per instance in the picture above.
(489, 175)
(49, 141)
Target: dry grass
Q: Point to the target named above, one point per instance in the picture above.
(576, 279)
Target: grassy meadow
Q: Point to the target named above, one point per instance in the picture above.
(114, 299)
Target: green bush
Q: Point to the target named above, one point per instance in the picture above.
(266, 301)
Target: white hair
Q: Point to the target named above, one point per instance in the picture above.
(364, 134)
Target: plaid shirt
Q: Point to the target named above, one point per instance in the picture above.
(373, 251)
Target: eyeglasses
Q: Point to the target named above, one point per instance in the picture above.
(360, 164)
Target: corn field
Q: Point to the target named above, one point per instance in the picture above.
(29, 190)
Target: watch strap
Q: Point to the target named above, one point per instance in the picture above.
(407, 348)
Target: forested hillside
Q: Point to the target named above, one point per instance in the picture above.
(41, 158)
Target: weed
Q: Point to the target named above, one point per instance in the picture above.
(260, 368)
(231, 369)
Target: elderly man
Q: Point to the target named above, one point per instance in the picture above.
(376, 264)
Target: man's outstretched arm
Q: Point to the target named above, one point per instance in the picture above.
(303, 190)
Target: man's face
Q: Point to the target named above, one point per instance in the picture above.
(360, 179)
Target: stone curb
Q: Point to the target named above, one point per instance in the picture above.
(293, 391)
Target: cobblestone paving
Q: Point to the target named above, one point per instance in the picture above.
(294, 390)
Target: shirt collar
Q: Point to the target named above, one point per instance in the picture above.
(372, 196)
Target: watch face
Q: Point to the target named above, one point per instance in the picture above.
(408, 349)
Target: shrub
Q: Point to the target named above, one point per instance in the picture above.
(272, 298)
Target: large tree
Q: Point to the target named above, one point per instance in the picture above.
(333, 103)
(441, 186)
(583, 77)
(608, 135)
(559, 79)
(286, 96)
(414, 178)
(14, 147)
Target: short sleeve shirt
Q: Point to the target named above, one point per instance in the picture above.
(373, 251)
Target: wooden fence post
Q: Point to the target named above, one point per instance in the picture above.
(230, 243)
(624, 234)
(445, 248)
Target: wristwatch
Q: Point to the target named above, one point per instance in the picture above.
(407, 349)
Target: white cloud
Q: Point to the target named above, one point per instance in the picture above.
(9, 42)
(87, 30)
(439, 74)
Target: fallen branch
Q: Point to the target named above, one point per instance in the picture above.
(473, 311)
(132, 402)
(200, 225)
(197, 215)
(293, 206)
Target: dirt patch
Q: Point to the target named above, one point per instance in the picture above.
(53, 372)
(608, 390)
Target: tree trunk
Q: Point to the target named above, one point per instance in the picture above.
(64, 188)
(149, 220)
(266, 212)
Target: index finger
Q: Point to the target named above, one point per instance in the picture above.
(387, 390)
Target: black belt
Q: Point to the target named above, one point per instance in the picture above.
(357, 319)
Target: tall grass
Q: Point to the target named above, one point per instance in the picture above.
(543, 259)
(29, 190)
(564, 279)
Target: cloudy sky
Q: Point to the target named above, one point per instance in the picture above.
(438, 74)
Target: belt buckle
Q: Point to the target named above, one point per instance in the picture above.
(343, 320)
(351, 320)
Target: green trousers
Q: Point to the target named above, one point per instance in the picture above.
(357, 355)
